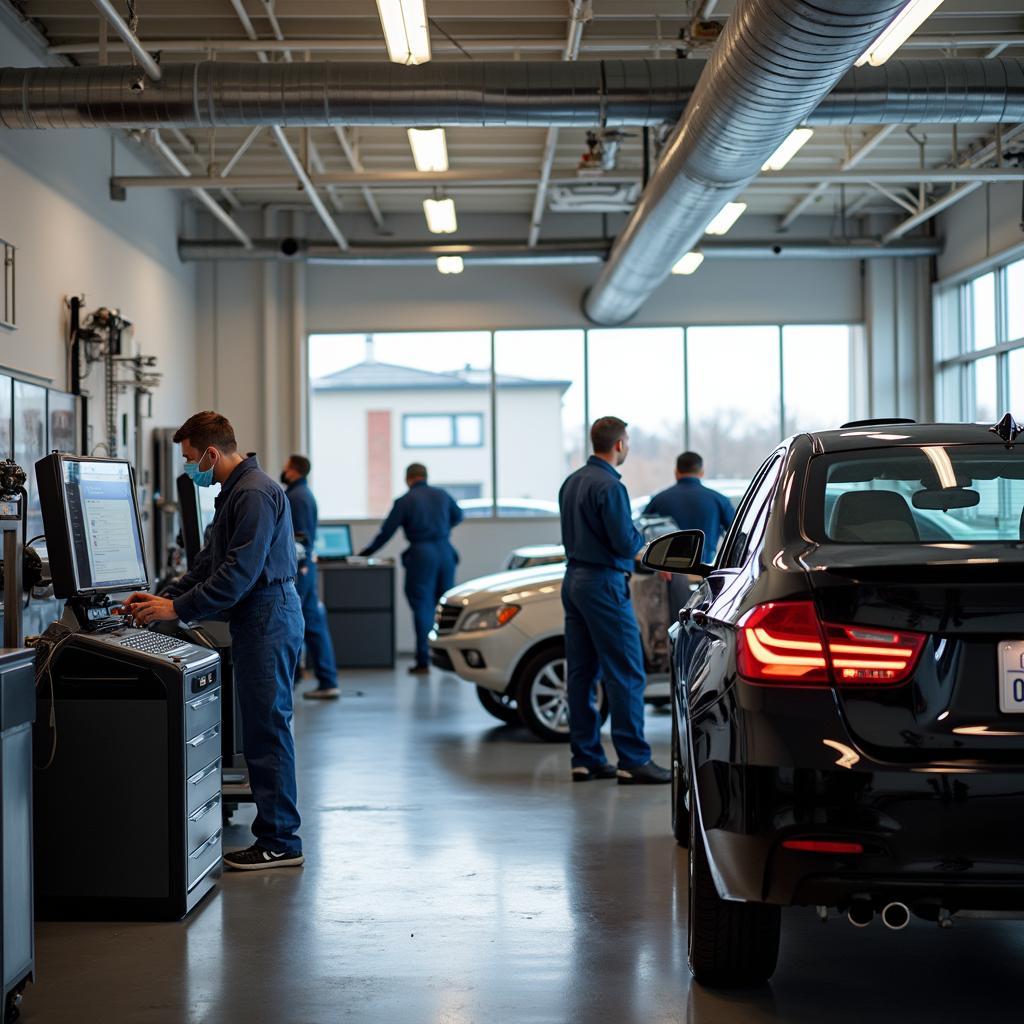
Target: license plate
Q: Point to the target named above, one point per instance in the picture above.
(1011, 677)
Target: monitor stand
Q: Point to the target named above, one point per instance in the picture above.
(90, 613)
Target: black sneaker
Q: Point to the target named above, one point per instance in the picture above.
(648, 774)
(419, 670)
(256, 858)
(322, 693)
(581, 773)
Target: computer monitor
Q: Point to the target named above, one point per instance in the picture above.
(93, 531)
(333, 541)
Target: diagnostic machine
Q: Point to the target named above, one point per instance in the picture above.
(128, 726)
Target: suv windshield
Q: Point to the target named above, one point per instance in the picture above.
(931, 494)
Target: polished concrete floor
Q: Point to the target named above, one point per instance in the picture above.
(456, 876)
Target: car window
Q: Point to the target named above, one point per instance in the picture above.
(753, 515)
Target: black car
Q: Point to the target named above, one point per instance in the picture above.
(848, 690)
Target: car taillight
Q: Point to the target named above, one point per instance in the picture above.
(784, 642)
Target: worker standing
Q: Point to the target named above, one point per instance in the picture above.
(693, 507)
(602, 639)
(427, 515)
(246, 574)
(305, 519)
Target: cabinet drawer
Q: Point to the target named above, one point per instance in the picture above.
(201, 861)
(204, 823)
(202, 712)
(202, 750)
(203, 786)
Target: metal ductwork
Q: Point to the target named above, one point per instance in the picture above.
(775, 61)
(504, 254)
(609, 93)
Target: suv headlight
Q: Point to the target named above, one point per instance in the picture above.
(489, 618)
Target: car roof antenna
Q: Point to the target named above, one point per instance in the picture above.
(1008, 429)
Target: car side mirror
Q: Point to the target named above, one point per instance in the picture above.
(677, 553)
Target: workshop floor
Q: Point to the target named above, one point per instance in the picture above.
(454, 875)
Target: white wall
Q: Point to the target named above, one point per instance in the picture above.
(72, 238)
(986, 224)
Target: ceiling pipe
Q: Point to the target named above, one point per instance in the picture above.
(131, 40)
(613, 93)
(773, 64)
(544, 253)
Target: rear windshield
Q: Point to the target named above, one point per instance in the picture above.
(926, 495)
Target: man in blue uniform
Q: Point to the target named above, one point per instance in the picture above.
(319, 648)
(693, 507)
(602, 639)
(427, 514)
(245, 574)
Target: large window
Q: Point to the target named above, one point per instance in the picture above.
(980, 346)
(500, 419)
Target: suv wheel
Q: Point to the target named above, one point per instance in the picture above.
(729, 944)
(543, 698)
(501, 705)
(680, 812)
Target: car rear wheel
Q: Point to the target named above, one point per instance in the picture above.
(501, 705)
(730, 944)
(680, 813)
(543, 697)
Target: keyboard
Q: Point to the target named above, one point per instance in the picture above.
(152, 643)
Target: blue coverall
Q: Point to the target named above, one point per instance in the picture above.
(245, 574)
(602, 639)
(427, 514)
(693, 507)
(318, 639)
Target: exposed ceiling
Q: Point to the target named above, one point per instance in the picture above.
(349, 30)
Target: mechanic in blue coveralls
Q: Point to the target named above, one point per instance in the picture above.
(245, 574)
(602, 639)
(693, 507)
(319, 649)
(427, 514)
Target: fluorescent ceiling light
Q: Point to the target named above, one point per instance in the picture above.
(429, 149)
(450, 264)
(689, 263)
(792, 144)
(902, 27)
(725, 218)
(405, 30)
(440, 214)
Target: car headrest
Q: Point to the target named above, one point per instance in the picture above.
(879, 517)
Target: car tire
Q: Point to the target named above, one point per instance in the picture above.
(680, 812)
(542, 696)
(730, 944)
(501, 705)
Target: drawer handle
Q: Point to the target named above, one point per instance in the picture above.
(204, 810)
(209, 842)
(203, 701)
(205, 773)
(203, 737)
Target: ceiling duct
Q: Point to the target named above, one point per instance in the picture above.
(608, 93)
(775, 62)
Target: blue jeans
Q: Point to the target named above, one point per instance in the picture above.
(602, 641)
(319, 648)
(429, 572)
(266, 638)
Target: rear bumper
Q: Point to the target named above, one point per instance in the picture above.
(931, 838)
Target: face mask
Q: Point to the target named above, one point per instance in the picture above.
(200, 477)
(284, 479)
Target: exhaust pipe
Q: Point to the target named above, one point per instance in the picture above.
(896, 916)
(861, 913)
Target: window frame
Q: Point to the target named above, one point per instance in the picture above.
(453, 418)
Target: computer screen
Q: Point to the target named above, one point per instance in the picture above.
(103, 524)
(333, 541)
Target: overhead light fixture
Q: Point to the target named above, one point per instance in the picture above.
(405, 30)
(791, 145)
(450, 264)
(689, 263)
(440, 214)
(725, 218)
(900, 29)
(429, 149)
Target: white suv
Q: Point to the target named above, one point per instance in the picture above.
(505, 634)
